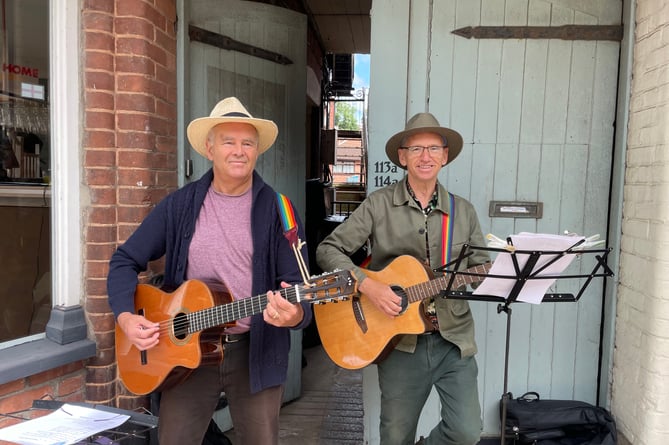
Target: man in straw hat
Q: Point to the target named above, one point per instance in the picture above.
(417, 216)
(224, 228)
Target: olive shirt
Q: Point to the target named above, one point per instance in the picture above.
(395, 225)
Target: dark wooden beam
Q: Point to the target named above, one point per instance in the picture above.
(564, 32)
(224, 42)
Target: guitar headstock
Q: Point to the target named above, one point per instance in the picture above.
(333, 286)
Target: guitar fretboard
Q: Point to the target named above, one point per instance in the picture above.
(236, 310)
(432, 288)
(327, 287)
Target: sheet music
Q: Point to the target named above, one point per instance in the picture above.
(67, 425)
(534, 290)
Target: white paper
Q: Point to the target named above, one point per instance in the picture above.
(533, 290)
(67, 425)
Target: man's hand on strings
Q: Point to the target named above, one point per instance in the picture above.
(281, 312)
(382, 296)
(141, 332)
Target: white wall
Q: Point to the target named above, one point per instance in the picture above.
(640, 389)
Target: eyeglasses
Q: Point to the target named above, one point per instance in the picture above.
(419, 149)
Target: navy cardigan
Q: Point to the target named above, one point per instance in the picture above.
(167, 231)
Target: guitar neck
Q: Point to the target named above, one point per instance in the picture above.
(432, 288)
(236, 310)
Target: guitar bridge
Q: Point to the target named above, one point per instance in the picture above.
(357, 313)
(142, 354)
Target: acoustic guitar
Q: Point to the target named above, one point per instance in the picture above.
(192, 320)
(354, 333)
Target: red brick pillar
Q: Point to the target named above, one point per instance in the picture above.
(130, 151)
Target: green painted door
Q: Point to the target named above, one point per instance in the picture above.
(268, 89)
(537, 118)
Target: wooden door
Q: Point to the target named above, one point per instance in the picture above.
(537, 118)
(267, 88)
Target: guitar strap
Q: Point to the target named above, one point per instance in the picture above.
(447, 231)
(289, 224)
(447, 224)
(287, 216)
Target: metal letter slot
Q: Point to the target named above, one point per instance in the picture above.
(515, 209)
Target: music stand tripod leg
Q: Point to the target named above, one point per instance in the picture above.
(505, 396)
(521, 279)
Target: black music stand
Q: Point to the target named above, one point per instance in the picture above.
(521, 275)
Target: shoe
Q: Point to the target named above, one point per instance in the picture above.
(421, 441)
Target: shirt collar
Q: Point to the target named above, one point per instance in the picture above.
(402, 197)
(433, 200)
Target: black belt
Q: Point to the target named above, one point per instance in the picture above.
(234, 338)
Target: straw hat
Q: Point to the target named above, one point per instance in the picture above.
(424, 123)
(230, 110)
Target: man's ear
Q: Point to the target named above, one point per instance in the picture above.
(401, 158)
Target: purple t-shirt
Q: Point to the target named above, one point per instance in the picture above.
(222, 248)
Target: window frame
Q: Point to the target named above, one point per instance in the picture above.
(65, 340)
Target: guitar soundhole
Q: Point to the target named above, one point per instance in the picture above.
(402, 294)
(180, 326)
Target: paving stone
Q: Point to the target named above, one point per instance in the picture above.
(329, 410)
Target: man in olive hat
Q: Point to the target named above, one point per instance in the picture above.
(417, 216)
(223, 228)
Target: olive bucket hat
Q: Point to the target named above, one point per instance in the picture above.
(424, 123)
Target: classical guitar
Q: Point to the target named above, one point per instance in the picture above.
(354, 333)
(192, 319)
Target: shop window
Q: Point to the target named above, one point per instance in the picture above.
(25, 169)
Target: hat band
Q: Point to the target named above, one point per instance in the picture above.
(235, 114)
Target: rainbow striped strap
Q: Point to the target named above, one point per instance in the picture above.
(287, 216)
(447, 231)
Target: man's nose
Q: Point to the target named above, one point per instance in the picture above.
(238, 148)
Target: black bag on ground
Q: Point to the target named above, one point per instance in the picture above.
(530, 420)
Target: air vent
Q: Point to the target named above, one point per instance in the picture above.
(341, 80)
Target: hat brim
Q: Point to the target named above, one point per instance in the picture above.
(452, 137)
(199, 128)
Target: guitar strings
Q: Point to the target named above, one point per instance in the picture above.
(190, 322)
(427, 289)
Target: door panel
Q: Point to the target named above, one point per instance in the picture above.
(268, 89)
(537, 118)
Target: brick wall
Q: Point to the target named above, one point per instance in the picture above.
(130, 151)
(640, 390)
(65, 384)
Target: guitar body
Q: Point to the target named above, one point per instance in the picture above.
(352, 343)
(192, 320)
(177, 353)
